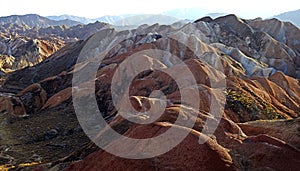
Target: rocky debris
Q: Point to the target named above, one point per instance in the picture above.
(52, 133)
(45, 137)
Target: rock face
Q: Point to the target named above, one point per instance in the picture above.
(255, 42)
(243, 74)
(17, 53)
(283, 32)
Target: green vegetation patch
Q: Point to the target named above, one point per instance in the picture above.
(252, 105)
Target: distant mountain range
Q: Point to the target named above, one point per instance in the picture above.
(82, 20)
(122, 20)
(113, 19)
(168, 17)
(187, 13)
(192, 13)
(106, 19)
(34, 20)
(146, 19)
(291, 16)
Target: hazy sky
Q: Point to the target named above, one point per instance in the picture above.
(94, 8)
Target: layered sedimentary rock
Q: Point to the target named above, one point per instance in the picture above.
(22, 46)
(241, 74)
(17, 53)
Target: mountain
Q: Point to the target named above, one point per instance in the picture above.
(229, 85)
(284, 32)
(82, 20)
(21, 52)
(113, 19)
(106, 19)
(150, 19)
(33, 20)
(191, 13)
(65, 33)
(187, 13)
(22, 46)
(68, 34)
(215, 15)
(291, 16)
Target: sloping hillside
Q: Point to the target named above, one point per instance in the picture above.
(216, 94)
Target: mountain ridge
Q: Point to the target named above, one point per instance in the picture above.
(34, 20)
(22, 46)
(244, 80)
(290, 16)
(123, 20)
(82, 20)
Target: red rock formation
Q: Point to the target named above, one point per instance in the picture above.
(58, 98)
(12, 105)
(189, 154)
(253, 152)
(228, 59)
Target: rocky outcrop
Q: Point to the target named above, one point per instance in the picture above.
(253, 41)
(283, 32)
(12, 105)
(274, 128)
(18, 53)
